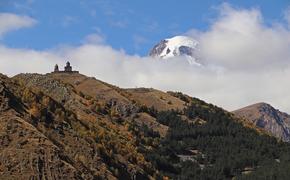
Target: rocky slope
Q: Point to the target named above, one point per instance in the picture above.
(51, 130)
(70, 126)
(265, 116)
(68, 111)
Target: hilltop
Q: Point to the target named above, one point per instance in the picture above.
(70, 126)
(265, 116)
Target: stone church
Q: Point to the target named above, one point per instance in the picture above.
(67, 69)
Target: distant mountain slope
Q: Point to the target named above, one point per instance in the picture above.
(265, 116)
(70, 126)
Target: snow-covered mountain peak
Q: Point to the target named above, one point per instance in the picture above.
(177, 46)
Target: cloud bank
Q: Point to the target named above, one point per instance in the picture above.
(10, 22)
(240, 39)
(245, 61)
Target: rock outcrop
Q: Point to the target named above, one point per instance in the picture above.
(265, 116)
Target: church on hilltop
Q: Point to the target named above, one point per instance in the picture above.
(67, 69)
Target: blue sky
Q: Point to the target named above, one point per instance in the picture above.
(134, 26)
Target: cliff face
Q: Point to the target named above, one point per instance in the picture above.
(265, 116)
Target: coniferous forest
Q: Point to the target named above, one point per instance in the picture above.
(211, 144)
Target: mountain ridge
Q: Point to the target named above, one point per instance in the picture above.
(70, 126)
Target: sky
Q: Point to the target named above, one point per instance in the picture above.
(245, 45)
(133, 26)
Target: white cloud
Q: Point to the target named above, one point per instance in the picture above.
(10, 22)
(254, 58)
(14, 61)
(239, 39)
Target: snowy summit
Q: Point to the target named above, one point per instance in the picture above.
(177, 46)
